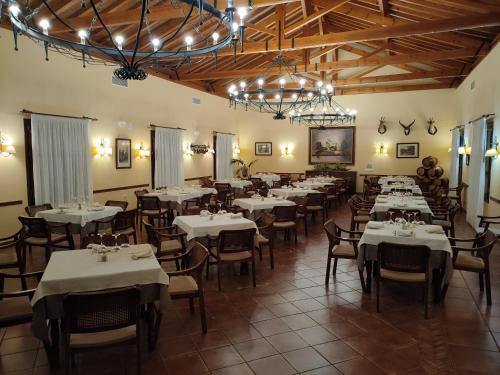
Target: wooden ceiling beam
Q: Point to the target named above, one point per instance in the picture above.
(383, 7)
(385, 89)
(398, 77)
(422, 57)
(377, 33)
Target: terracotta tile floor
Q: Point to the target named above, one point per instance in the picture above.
(290, 323)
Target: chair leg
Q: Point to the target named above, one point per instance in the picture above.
(135, 238)
(295, 233)
(271, 254)
(260, 252)
(481, 282)
(253, 272)
(305, 226)
(377, 287)
(218, 274)
(335, 265)
(191, 305)
(203, 316)
(328, 264)
(426, 300)
(488, 285)
(138, 347)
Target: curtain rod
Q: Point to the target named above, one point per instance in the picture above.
(164, 127)
(457, 127)
(481, 117)
(216, 132)
(28, 112)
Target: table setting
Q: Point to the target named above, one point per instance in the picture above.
(401, 201)
(175, 196)
(268, 178)
(258, 203)
(311, 184)
(291, 191)
(235, 183)
(387, 188)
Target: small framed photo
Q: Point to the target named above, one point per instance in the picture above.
(407, 150)
(263, 148)
(123, 153)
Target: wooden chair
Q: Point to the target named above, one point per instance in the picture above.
(404, 264)
(11, 252)
(265, 236)
(196, 205)
(33, 210)
(408, 215)
(457, 196)
(151, 207)
(285, 179)
(225, 192)
(206, 182)
(476, 258)
(104, 239)
(122, 223)
(256, 182)
(167, 241)
(332, 194)
(360, 214)
(341, 247)
(301, 211)
(235, 246)
(446, 218)
(316, 202)
(138, 194)
(487, 221)
(285, 220)
(188, 282)
(38, 232)
(122, 204)
(94, 320)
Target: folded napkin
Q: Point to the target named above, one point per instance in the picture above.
(239, 215)
(375, 225)
(96, 208)
(404, 233)
(279, 197)
(204, 213)
(419, 197)
(401, 204)
(438, 229)
(421, 203)
(141, 254)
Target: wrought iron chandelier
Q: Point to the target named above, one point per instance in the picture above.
(290, 94)
(329, 114)
(205, 28)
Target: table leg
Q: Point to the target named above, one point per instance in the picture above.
(52, 347)
(151, 325)
(368, 266)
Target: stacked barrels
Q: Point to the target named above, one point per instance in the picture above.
(429, 174)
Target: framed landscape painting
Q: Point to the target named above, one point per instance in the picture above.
(332, 145)
(123, 153)
(263, 148)
(407, 150)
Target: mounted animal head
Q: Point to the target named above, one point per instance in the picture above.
(382, 128)
(407, 128)
(431, 128)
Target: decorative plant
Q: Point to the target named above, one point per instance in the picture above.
(243, 168)
(329, 166)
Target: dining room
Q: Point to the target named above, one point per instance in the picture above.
(249, 187)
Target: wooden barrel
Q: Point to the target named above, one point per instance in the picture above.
(438, 171)
(421, 171)
(437, 182)
(429, 162)
(435, 172)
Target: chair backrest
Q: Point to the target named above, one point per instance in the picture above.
(484, 243)
(104, 239)
(124, 220)
(404, 258)
(285, 213)
(205, 199)
(34, 226)
(151, 234)
(101, 311)
(196, 261)
(138, 194)
(265, 222)
(285, 180)
(331, 232)
(122, 204)
(206, 182)
(222, 186)
(150, 203)
(256, 181)
(316, 199)
(235, 241)
(408, 215)
(33, 210)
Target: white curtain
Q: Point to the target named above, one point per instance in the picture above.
(169, 165)
(455, 143)
(61, 159)
(475, 192)
(223, 156)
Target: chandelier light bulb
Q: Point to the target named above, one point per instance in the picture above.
(337, 109)
(294, 96)
(243, 84)
(156, 44)
(260, 82)
(14, 10)
(242, 12)
(45, 24)
(189, 42)
(348, 110)
(320, 83)
(231, 88)
(215, 37)
(277, 97)
(309, 94)
(282, 82)
(354, 112)
(235, 93)
(119, 41)
(83, 34)
(311, 109)
(324, 109)
(323, 92)
(235, 27)
(329, 88)
(261, 96)
(302, 82)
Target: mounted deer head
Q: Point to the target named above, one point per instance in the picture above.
(407, 128)
(431, 128)
(382, 128)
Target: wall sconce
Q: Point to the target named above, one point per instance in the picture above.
(6, 147)
(236, 149)
(465, 150)
(210, 149)
(493, 151)
(186, 150)
(142, 152)
(461, 150)
(381, 150)
(202, 149)
(102, 148)
(286, 149)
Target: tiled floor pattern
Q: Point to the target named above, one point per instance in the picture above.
(291, 323)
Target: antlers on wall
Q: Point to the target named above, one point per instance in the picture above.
(382, 128)
(431, 128)
(407, 128)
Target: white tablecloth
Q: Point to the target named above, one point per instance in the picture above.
(437, 242)
(180, 195)
(292, 192)
(311, 184)
(252, 204)
(384, 203)
(79, 217)
(394, 179)
(201, 226)
(236, 183)
(325, 179)
(385, 189)
(267, 178)
(81, 271)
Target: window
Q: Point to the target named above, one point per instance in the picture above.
(460, 156)
(488, 161)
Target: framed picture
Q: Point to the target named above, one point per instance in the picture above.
(123, 153)
(407, 150)
(332, 145)
(263, 148)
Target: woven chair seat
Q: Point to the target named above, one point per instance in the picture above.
(361, 218)
(284, 224)
(469, 262)
(402, 276)
(262, 240)
(343, 250)
(314, 208)
(15, 309)
(111, 337)
(163, 211)
(182, 285)
(40, 241)
(171, 246)
(127, 232)
(8, 258)
(235, 257)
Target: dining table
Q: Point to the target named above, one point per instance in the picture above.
(268, 178)
(386, 189)
(257, 204)
(74, 271)
(387, 180)
(174, 197)
(287, 192)
(385, 202)
(433, 236)
(235, 183)
(311, 184)
(79, 216)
